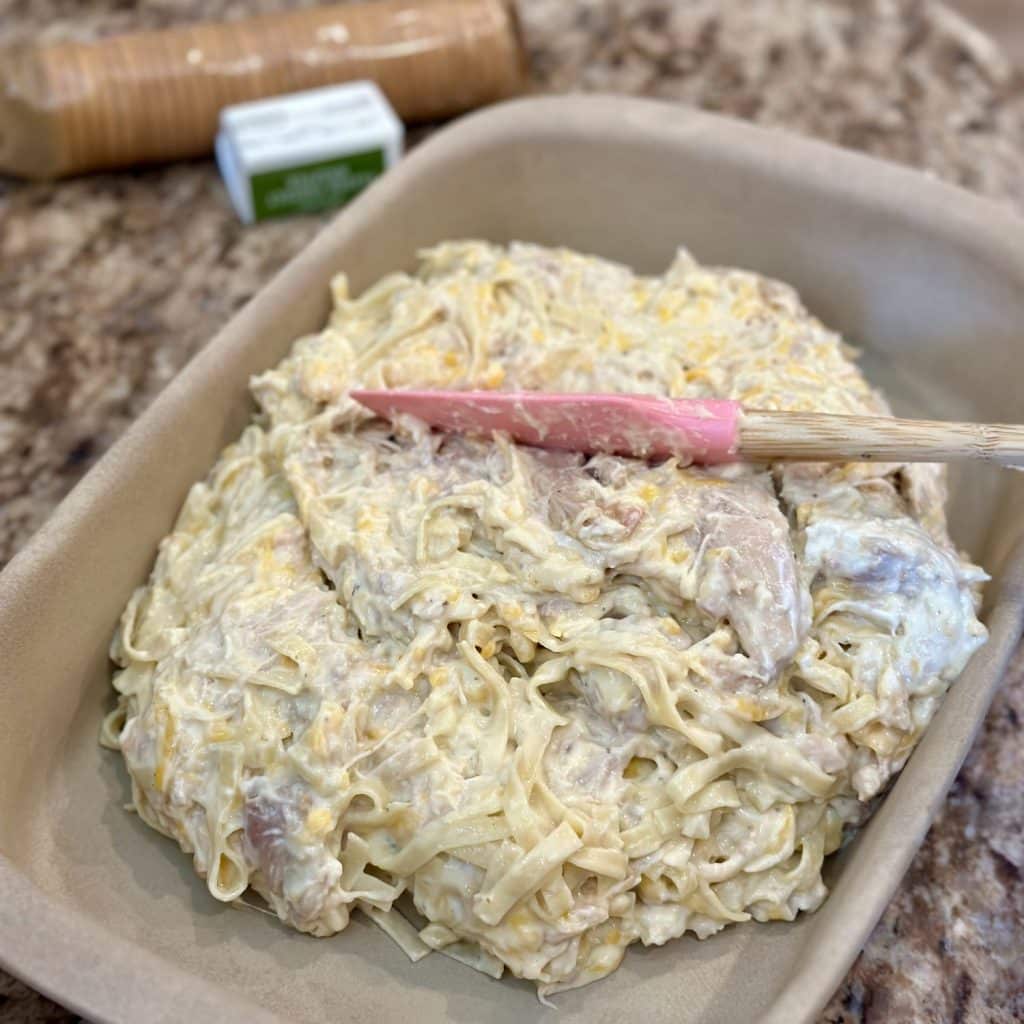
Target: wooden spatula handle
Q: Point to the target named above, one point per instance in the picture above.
(814, 437)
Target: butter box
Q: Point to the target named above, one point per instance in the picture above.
(306, 151)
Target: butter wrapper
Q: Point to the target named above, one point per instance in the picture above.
(306, 151)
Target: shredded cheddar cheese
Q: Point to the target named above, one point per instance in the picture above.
(563, 704)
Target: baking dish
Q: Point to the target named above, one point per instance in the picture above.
(106, 916)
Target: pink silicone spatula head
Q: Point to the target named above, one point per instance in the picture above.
(643, 426)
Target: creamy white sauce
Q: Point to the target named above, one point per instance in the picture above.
(565, 704)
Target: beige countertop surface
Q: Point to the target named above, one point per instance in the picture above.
(109, 283)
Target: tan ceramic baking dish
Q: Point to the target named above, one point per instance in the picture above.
(106, 916)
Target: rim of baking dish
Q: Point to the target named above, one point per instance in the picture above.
(36, 931)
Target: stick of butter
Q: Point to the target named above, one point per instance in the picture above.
(306, 151)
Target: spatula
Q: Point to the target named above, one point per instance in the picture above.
(697, 430)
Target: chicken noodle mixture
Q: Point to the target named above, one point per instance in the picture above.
(548, 704)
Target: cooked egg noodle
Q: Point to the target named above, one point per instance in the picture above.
(562, 704)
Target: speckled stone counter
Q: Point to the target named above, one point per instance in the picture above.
(109, 283)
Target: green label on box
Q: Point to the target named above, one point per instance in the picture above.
(314, 186)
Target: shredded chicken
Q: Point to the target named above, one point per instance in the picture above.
(563, 703)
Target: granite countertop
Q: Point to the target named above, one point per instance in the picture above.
(109, 283)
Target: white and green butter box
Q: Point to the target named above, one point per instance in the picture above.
(306, 151)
